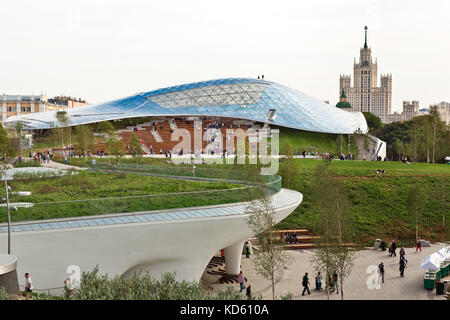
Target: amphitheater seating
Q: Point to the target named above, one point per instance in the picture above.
(157, 134)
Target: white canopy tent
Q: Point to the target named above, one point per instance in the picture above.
(433, 261)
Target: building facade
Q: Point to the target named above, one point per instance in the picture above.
(410, 110)
(21, 105)
(18, 105)
(365, 95)
(443, 109)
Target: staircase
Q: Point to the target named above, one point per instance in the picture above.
(373, 148)
(172, 124)
(157, 136)
(305, 239)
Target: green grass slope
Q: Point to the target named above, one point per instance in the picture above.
(377, 202)
(62, 196)
(313, 142)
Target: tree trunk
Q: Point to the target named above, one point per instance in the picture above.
(434, 137)
(417, 227)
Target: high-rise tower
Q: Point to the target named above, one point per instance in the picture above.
(365, 95)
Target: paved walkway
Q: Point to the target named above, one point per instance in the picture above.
(395, 288)
(60, 166)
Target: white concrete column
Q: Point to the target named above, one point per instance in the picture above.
(233, 255)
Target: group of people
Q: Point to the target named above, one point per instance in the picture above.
(346, 157)
(41, 157)
(331, 281)
(392, 253)
(290, 237)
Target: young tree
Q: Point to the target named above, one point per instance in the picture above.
(289, 169)
(18, 126)
(413, 200)
(105, 127)
(261, 220)
(84, 139)
(6, 147)
(136, 148)
(63, 120)
(116, 147)
(333, 253)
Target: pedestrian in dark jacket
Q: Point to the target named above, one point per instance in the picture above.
(305, 284)
(402, 266)
(393, 248)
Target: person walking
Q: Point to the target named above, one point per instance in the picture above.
(402, 251)
(305, 284)
(419, 246)
(335, 282)
(319, 281)
(393, 248)
(222, 254)
(381, 268)
(402, 266)
(241, 280)
(28, 283)
(247, 250)
(248, 292)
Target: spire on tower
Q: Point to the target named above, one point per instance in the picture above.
(365, 42)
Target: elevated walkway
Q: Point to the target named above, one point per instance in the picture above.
(176, 240)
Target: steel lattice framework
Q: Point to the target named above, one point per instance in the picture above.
(239, 98)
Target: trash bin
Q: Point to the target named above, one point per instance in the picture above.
(376, 244)
(439, 288)
(429, 280)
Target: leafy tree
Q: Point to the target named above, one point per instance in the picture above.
(105, 127)
(116, 147)
(63, 120)
(6, 147)
(373, 122)
(18, 127)
(136, 148)
(84, 138)
(261, 220)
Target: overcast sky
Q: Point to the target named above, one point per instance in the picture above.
(103, 50)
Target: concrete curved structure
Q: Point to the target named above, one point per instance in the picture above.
(239, 98)
(180, 240)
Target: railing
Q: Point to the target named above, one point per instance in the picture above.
(245, 186)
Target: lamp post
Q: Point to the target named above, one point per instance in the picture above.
(7, 188)
(22, 193)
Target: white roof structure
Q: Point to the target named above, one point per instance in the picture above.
(240, 98)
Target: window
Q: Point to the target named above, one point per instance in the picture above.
(216, 95)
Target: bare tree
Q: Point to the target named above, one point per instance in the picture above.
(333, 227)
(261, 220)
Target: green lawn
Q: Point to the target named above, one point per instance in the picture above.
(103, 188)
(313, 141)
(377, 202)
